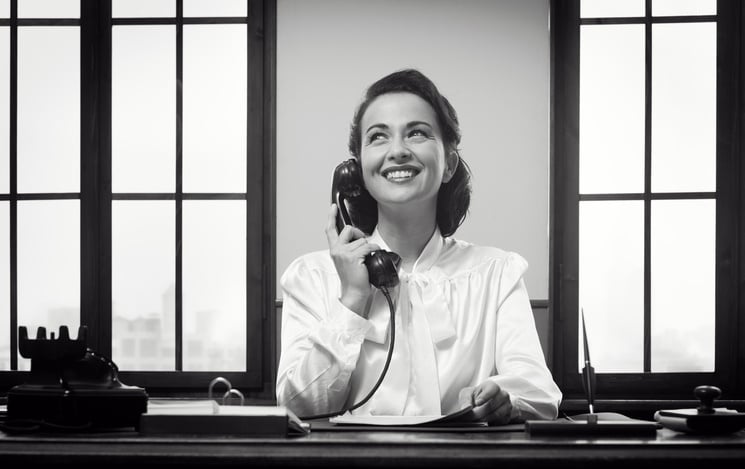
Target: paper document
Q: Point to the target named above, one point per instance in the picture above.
(466, 416)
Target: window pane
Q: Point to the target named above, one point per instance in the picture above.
(4, 109)
(143, 8)
(215, 94)
(4, 285)
(682, 285)
(48, 266)
(611, 283)
(214, 285)
(143, 284)
(49, 9)
(684, 107)
(611, 143)
(215, 8)
(4, 8)
(143, 95)
(610, 8)
(683, 7)
(48, 109)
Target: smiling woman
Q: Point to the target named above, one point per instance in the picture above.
(467, 331)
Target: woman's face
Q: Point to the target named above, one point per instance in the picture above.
(403, 155)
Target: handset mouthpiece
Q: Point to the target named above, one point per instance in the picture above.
(382, 267)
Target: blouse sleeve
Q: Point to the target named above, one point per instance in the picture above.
(520, 363)
(320, 343)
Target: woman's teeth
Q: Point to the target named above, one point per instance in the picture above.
(399, 175)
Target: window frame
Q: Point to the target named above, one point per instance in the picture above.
(564, 220)
(96, 199)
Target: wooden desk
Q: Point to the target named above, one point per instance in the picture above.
(376, 449)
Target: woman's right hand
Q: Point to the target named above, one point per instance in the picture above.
(348, 250)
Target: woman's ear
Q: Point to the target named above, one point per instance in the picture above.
(451, 164)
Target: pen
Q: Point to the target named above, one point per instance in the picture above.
(588, 372)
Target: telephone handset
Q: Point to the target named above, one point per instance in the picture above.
(353, 200)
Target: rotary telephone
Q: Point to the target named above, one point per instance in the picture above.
(70, 387)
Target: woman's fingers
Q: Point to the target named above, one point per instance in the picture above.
(485, 391)
(493, 402)
(348, 233)
(501, 414)
(331, 234)
(465, 396)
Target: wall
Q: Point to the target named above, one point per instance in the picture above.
(490, 58)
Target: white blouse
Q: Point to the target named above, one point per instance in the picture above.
(462, 316)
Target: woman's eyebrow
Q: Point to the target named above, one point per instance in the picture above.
(415, 123)
(377, 126)
(408, 125)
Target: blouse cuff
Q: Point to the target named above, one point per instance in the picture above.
(341, 334)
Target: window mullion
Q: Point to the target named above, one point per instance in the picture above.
(179, 351)
(13, 169)
(647, 184)
(95, 172)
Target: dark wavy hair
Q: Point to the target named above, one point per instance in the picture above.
(454, 197)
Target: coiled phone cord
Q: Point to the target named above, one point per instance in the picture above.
(392, 322)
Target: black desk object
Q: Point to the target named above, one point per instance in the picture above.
(705, 419)
(596, 424)
(70, 386)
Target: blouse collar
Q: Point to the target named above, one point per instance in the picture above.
(429, 254)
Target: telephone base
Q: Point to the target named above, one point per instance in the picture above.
(53, 407)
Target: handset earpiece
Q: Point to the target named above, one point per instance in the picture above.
(346, 184)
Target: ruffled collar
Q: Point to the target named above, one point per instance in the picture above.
(424, 289)
(427, 258)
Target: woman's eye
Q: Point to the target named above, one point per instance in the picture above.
(375, 137)
(418, 133)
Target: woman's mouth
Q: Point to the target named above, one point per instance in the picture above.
(400, 175)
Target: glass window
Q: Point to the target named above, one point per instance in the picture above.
(684, 7)
(48, 109)
(684, 72)
(682, 285)
(215, 105)
(143, 8)
(215, 8)
(4, 285)
(143, 275)
(611, 8)
(646, 220)
(4, 110)
(48, 265)
(135, 218)
(214, 284)
(49, 8)
(143, 103)
(611, 283)
(611, 144)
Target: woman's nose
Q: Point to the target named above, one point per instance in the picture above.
(398, 149)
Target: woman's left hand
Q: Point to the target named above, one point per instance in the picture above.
(488, 390)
